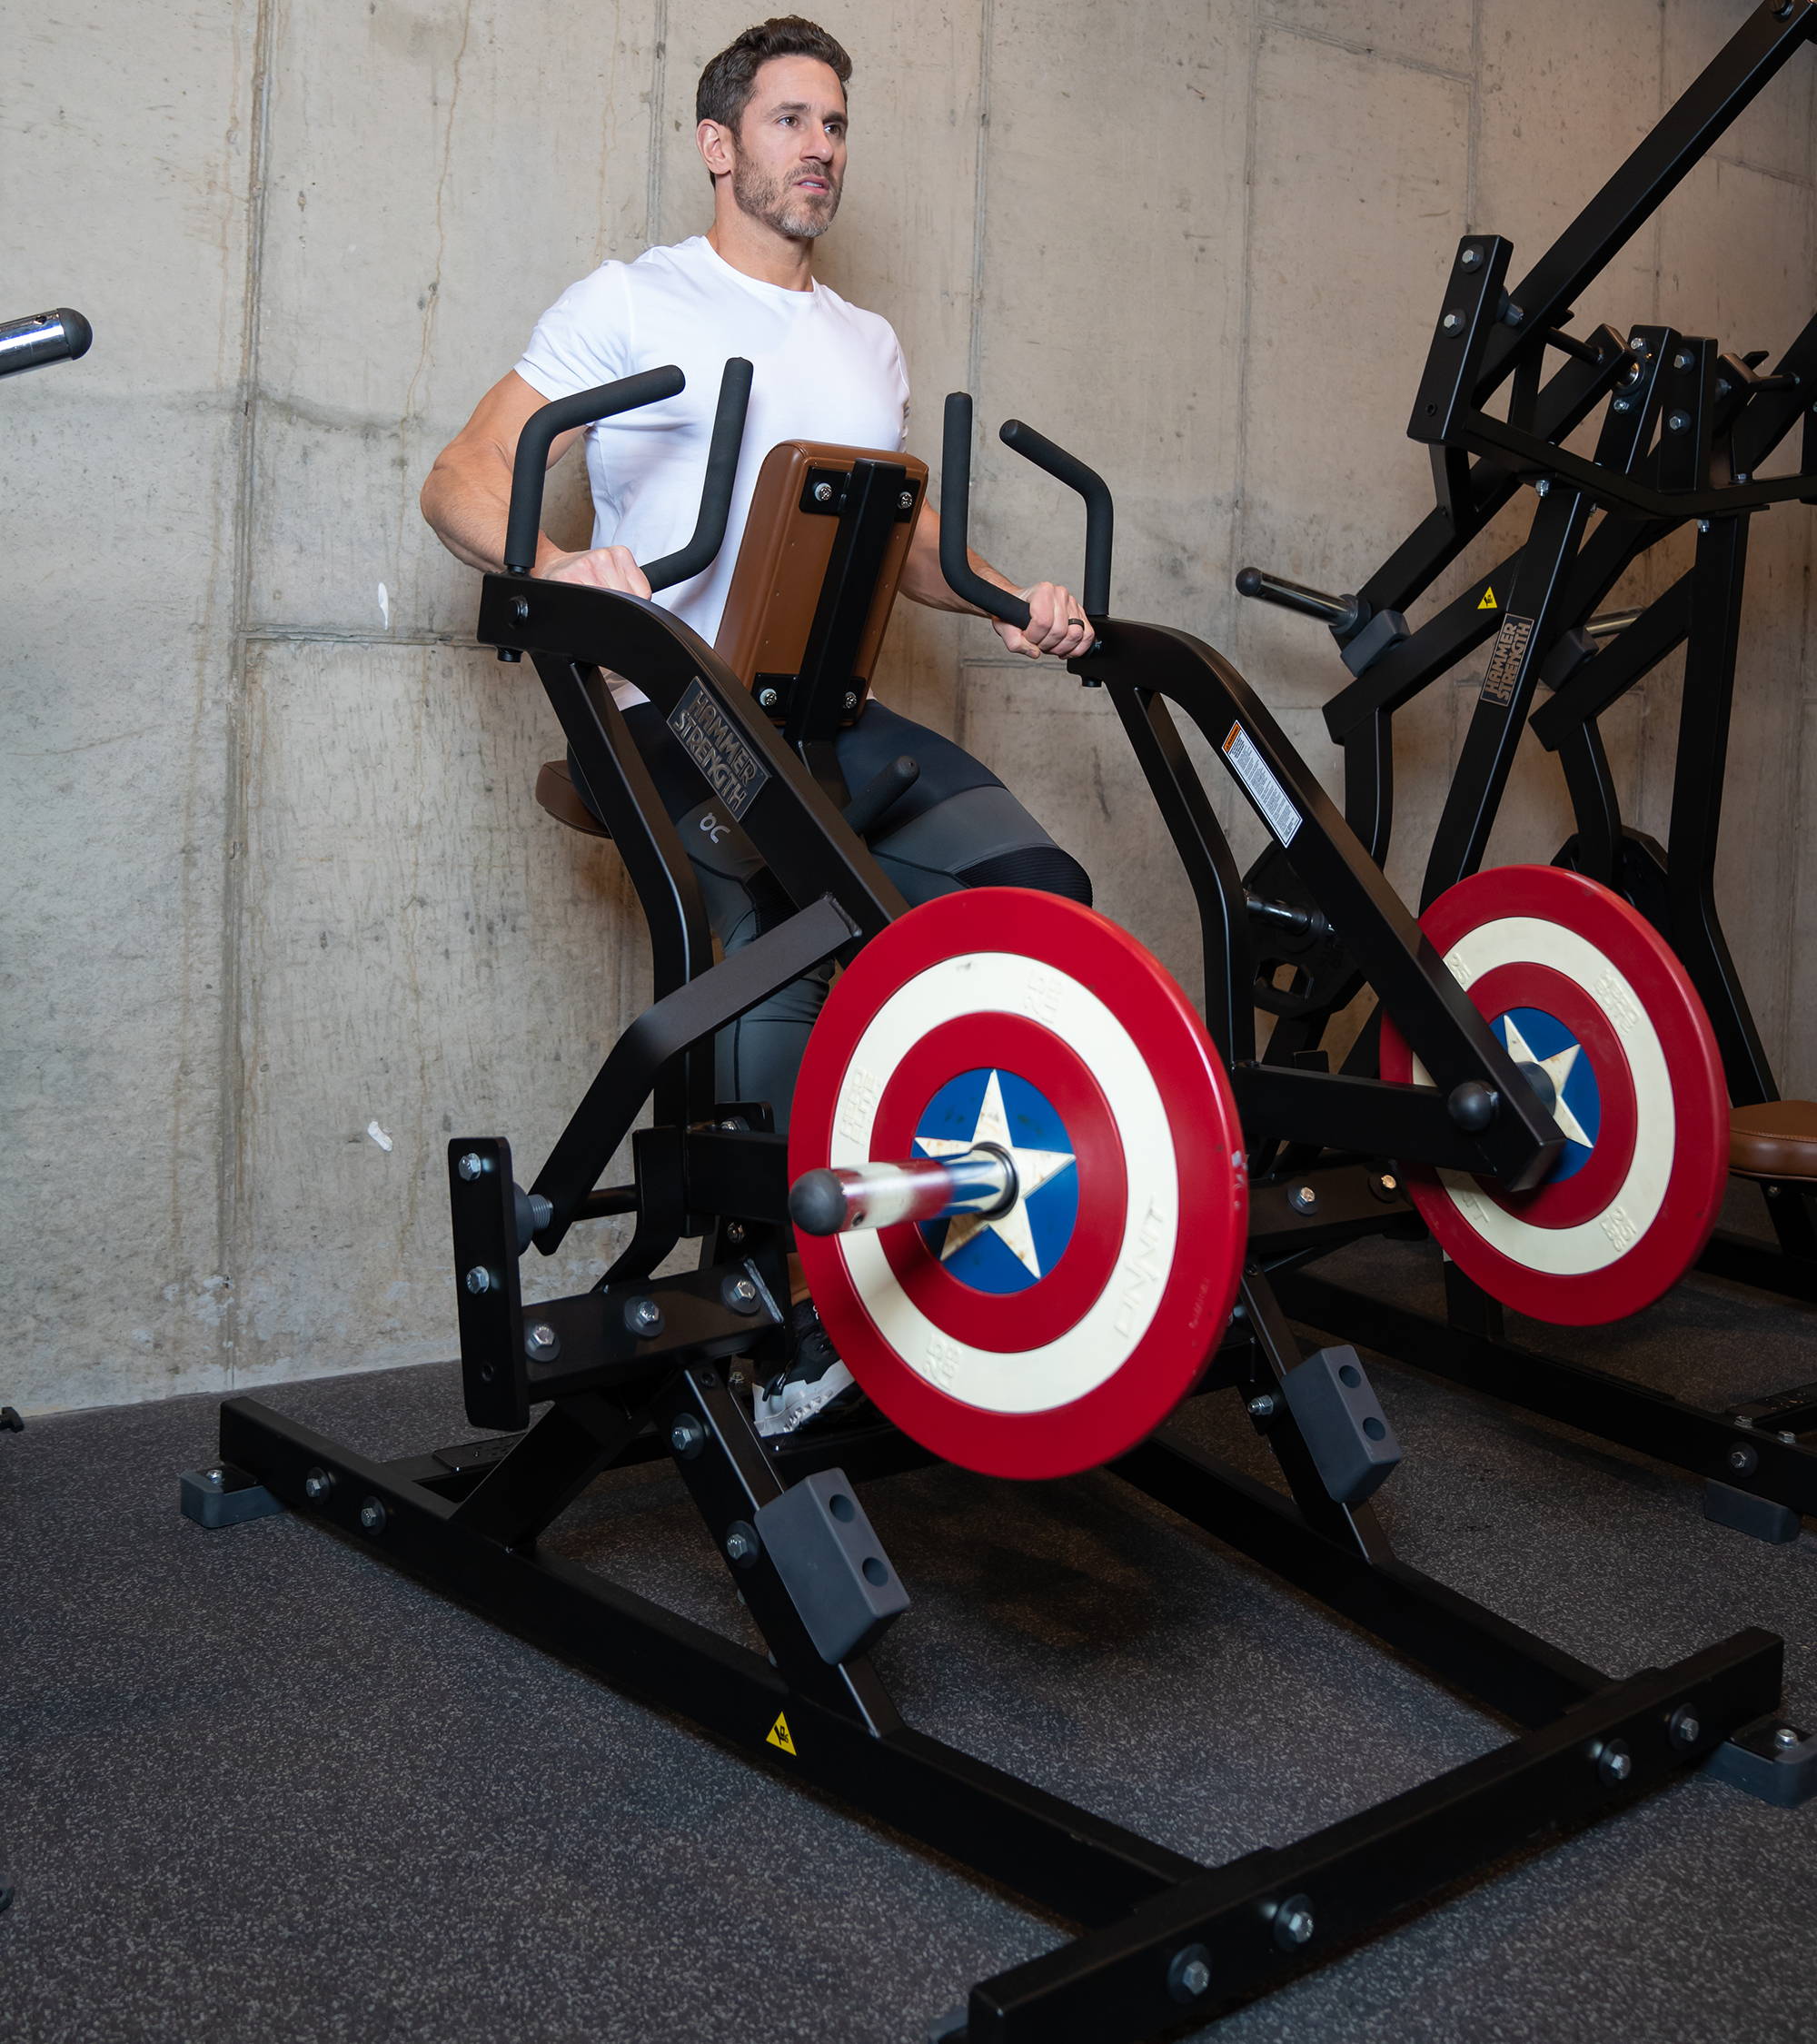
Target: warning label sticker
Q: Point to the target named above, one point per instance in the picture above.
(777, 1735)
(1506, 657)
(1488, 602)
(1260, 785)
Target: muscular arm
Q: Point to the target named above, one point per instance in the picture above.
(467, 495)
(1052, 609)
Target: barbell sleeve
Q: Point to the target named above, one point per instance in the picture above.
(837, 1200)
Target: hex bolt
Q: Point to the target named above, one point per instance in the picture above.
(1263, 1405)
(1743, 1460)
(520, 610)
(373, 1515)
(1624, 404)
(540, 1341)
(1789, 1438)
(1453, 322)
(217, 1477)
(740, 1294)
(823, 492)
(1682, 360)
(1294, 1923)
(643, 1316)
(1676, 421)
(317, 1485)
(1471, 256)
(850, 699)
(479, 1279)
(1786, 1737)
(1513, 315)
(1304, 1199)
(768, 699)
(1743, 477)
(1543, 488)
(1684, 1727)
(906, 501)
(1189, 1973)
(734, 1231)
(741, 1543)
(471, 1166)
(1637, 345)
(1614, 1763)
(687, 1437)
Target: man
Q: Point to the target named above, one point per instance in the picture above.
(771, 132)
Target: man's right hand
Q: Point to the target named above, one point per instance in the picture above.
(598, 568)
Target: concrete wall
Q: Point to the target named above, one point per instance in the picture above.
(281, 912)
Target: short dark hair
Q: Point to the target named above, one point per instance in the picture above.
(730, 79)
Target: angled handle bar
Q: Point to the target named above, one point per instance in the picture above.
(651, 386)
(955, 513)
(956, 519)
(716, 492)
(1100, 515)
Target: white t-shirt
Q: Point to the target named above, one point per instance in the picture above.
(822, 370)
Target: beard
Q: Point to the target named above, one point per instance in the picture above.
(803, 216)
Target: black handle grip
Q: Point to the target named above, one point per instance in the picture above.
(881, 792)
(540, 430)
(1342, 613)
(1100, 515)
(955, 519)
(43, 337)
(716, 493)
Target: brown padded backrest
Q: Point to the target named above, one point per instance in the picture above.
(782, 560)
(1776, 1139)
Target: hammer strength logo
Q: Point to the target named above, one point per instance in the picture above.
(711, 741)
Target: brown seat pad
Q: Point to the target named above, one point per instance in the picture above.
(556, 792)
(1775, 1139)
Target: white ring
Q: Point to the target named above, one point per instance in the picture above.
(1634, 1206)
(1098, 1344)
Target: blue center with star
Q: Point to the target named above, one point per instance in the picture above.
(1531, 1037)
(1015, 1250)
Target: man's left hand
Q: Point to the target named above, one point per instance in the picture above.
(1056, 623)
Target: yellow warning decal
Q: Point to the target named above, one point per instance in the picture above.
(777, 1735)
(1488, 602)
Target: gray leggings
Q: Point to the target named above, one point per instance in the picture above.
(957, 827)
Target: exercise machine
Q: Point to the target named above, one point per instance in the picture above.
(1686, 428)
(985, 1014)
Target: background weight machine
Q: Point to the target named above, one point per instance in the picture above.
(1686, 430)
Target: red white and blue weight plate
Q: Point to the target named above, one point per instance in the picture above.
(1574, 979)
(1055, 1336)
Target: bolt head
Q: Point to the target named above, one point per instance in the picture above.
(1294, 1923)
(1389, 1182)
(687, 1437)
(1624, 404)
(1676, 421)
(1262, 1406)
(823, 492)
(1682, 360)
(479, 1279)
(520, 610)
(905, 500)
(1189, 1975)
(1685, 1726)
(1453, 322)
(1614, 1763)
(850, 699)
(741, 1545)
(471, 1166)
(735, 1231)
(1789, 1438)
(1743, 477)
(644, 1317)
(1472, 256)
(373, 1515)
(541, 1339)
(1741, 1460)
(1784, 1737)
(767, 698)
(1304, 1199)
(317, 1483)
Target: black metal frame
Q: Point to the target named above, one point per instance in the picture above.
(1685, 433)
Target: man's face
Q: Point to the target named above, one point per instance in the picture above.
(789, 159)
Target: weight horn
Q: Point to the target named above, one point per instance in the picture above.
(980, 1181)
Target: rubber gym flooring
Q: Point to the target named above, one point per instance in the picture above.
(261, 1787)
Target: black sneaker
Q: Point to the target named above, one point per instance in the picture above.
(815, 1387)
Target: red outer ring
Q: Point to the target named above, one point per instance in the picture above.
(1015, 1320)
(1585, 1195)
(1199, 1288)
(1699, 1103)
